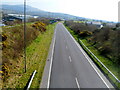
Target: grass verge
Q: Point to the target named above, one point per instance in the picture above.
(109, 64)
(115, 69)
(36, 54)
(36, 57)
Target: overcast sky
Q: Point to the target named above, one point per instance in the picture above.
(95, 9)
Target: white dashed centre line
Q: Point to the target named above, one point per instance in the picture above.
(78, 85)
(70, 59)
(66, 47)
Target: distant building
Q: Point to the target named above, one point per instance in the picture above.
(12, 17)
(35, 16)
(88, 22)
(98, 24)
(111, 24)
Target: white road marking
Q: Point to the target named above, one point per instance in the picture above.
(87, 57)
(78, 85)
(66, 47)
(48, 85)
(70, 59)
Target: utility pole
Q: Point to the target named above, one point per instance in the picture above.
(25, 36)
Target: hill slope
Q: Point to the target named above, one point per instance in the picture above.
(34, 11)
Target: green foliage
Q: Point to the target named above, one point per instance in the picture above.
(43, 20)
(105, 49)
(105, 40)
(105, 53)
(37, 46)
(4, 37)
(13, 22)
(85, 33)
(40, 26)
(13, 43)
(5, 71)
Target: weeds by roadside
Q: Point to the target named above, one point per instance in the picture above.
(12, 51)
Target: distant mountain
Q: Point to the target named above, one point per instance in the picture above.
(19, 9)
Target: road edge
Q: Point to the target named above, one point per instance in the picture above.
(45, 82)
(99, 73)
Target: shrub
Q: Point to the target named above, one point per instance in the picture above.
(4, 44)
(13, 22)
(3, 37)
(5, 71)
(43, 20)
(104, 50)
(13, 44)
(40, 26)
(106, 39)
(85, 33)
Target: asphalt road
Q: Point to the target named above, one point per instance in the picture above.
(71, 67)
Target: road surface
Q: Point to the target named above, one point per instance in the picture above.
(71, 67)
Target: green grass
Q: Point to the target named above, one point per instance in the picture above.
(36, 55)
(72, 32)
(109, 64)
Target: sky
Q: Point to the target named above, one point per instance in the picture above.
(94, 9)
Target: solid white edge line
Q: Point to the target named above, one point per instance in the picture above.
(78, 85)
(48, 85)
(87, 58)
(70, 59)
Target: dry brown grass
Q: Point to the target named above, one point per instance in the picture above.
(12, 51)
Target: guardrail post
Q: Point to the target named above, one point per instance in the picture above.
(29, 84)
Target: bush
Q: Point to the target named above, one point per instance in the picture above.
(106, 39)
(80, 28)
(104, 50)
(43, 20)
(40, 26)
(85, 33)
(5, 71)
(3, 37)
(13, 22)
(13, 44)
